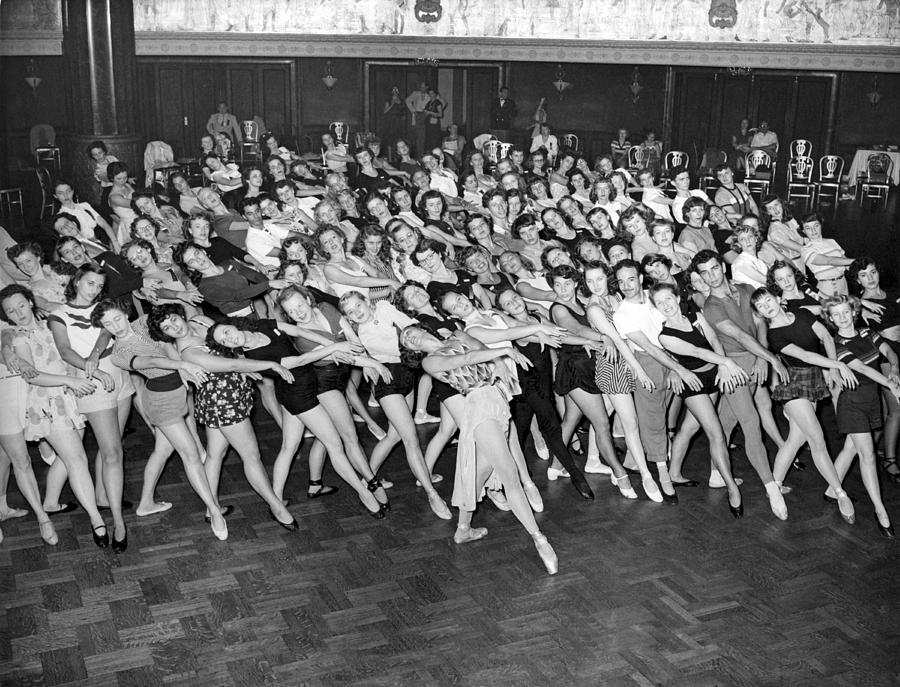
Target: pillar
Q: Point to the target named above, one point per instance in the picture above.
(99, 51)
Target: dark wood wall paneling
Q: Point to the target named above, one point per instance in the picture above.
(858, 122)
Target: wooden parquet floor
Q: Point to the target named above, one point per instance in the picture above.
(647, 594)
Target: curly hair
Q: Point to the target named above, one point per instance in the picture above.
(104, 307)
(294, 290)
(283, 268)
(861, 263)
(320, 232)
(831, 301)
(368, 231)
(304, 241)
(545, 255)
(178, 257)
(612, 286)
(244, 324)
(203, 216)
(32, 247)
(158, 314)
(140, 243)
(781, 264)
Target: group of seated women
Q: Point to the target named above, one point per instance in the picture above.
(520, 300)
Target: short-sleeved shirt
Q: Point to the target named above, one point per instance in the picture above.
(862, 347)
(638, 317)
(138, 343)
(697, 238)
(717, 309)
(826, 247)
(77, 321)
(799, 332)
(380, 336)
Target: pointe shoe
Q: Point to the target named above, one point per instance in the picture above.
(671, 499)
(438, 506)
(597, 467)
(886, 532)
(533, 496)
(423, 418)
(464, 535)
(651, 489)
(48, 533)
(716, 481)
(101, 540)
(499, 499)
(12, 513)
(221, 534)
(776, 501)
(738, 510)
(845, 506)
(828, 498)
(376, 432)
(119, 545)
(291, 526)
(554, 474)
(582, 487)
(546, 552)
(623, 483)
(542, 452)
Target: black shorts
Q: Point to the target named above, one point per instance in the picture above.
(707, 379)
(331, 377)
(859, 410)
(403, 382)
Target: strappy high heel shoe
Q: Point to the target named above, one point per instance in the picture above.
(101, 540)
(623, 483)
(374, 485)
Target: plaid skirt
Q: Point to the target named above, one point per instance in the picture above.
(806, 382)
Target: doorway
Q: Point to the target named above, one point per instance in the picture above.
(467, 89)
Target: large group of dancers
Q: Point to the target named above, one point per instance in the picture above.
(522, 298)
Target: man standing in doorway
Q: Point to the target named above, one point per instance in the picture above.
(415, 103)
(224, 122)
(503, 111)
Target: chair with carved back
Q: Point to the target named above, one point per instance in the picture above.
(828, 185)
(637, 158)
(491, 150)
(799, 180)
(570, 141)
(250, 144)
(503, 150)
(674, 159)
(800, 147)
(877, 183)
(760, 169)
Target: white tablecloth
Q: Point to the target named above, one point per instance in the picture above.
(859, 164)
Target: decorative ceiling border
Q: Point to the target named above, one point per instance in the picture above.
(758, 55)
(30, 43)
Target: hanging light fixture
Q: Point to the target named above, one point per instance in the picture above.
(329, 79)
(635, 86)
(561, 85)
(32, 79)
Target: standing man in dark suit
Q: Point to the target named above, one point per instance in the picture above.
(503, 111)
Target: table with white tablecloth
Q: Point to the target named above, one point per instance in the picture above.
(859, 164)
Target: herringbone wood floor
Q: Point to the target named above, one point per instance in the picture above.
(646, 594)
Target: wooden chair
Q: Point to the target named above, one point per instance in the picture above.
(877, 182)
(570, 141)
(831, 167)
(799, 180)
(760, 170)
(12, 212)
(800, 147)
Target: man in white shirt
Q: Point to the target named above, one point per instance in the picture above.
(765, 140)
(264, 238)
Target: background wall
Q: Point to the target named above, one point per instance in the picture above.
(858, 122)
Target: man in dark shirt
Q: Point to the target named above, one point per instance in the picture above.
(503, 111)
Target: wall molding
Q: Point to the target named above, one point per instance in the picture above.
(755, 55)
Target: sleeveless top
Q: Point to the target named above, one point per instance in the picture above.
(694, 337)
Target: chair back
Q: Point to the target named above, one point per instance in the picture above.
(503, 150)
(637, 157)
(42, 136)
(570, 141)
(800, 147)
(878, 168)
(676, 158)
(491, 150)
(250, 131)
(757, 158)
(45, 182)
(831, 167)
(340, 132)
(800, 170)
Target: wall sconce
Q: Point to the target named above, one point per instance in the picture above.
(635, 86)
(329, 79)
(561, 85)
(874, 96)
(32, 79)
